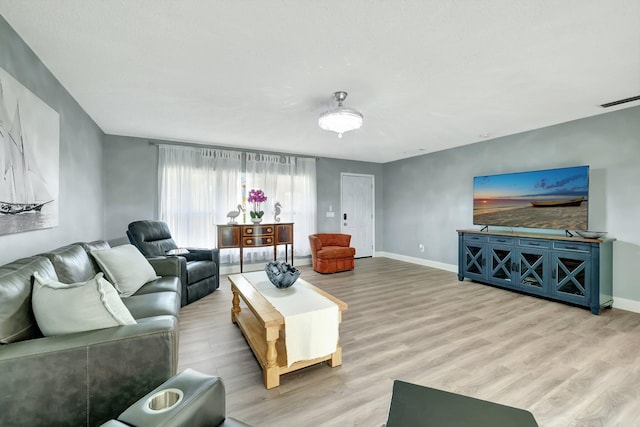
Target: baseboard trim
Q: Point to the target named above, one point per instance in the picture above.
(626, 304)
(419, 261)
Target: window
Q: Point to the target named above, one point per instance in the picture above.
(292, 182)
(199, 186)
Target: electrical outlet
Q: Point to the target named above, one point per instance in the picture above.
(421, 247)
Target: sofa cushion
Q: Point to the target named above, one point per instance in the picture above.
(63, 308)
(161, 284)
(72, 263)
(155, 304)
(332, 252)
(17, 322)
(125, 267)
(97, 245)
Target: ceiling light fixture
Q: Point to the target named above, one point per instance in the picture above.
(340, 119)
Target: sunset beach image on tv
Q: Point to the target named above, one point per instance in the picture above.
(552, 198)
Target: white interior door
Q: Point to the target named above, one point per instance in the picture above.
(357, 211)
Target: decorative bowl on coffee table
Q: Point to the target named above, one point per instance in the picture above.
(281, 274)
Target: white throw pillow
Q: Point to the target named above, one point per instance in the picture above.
(62, 308)
(125, 267)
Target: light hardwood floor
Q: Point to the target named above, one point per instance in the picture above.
(421, 325)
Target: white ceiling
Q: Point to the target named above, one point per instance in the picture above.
(427, 74)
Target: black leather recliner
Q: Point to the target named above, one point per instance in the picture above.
(199, 268)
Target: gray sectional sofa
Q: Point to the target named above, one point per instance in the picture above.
(82, 378)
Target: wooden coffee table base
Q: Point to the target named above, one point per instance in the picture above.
(264, 329)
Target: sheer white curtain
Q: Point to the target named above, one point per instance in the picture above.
(197, 187)
(292, 182)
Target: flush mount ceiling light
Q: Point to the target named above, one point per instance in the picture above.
(340, 119)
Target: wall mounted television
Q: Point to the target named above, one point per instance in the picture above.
(550, 199)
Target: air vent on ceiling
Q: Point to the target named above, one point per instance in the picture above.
(620, 101)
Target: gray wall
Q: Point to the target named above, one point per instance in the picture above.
(131, 186)
(81, 196)
(431, 195)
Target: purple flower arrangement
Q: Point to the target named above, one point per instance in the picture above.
(256, 197)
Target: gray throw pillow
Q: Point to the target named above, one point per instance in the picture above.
(125, 267)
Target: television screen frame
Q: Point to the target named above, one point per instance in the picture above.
(555, 199)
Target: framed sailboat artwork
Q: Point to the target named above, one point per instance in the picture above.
(29, 159)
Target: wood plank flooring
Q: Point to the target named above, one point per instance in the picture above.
(421, 325)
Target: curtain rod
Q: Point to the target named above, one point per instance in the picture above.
(222, 147)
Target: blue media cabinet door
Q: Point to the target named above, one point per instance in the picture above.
(532, 268)
(571, 277)
(474, 258)
(501, 265)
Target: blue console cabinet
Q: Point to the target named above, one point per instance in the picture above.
(567, 269)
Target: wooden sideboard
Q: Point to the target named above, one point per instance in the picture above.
(255, 236)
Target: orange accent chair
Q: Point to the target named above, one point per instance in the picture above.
(330, 252)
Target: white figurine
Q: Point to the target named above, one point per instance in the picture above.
(276, 211)
(232, 215)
